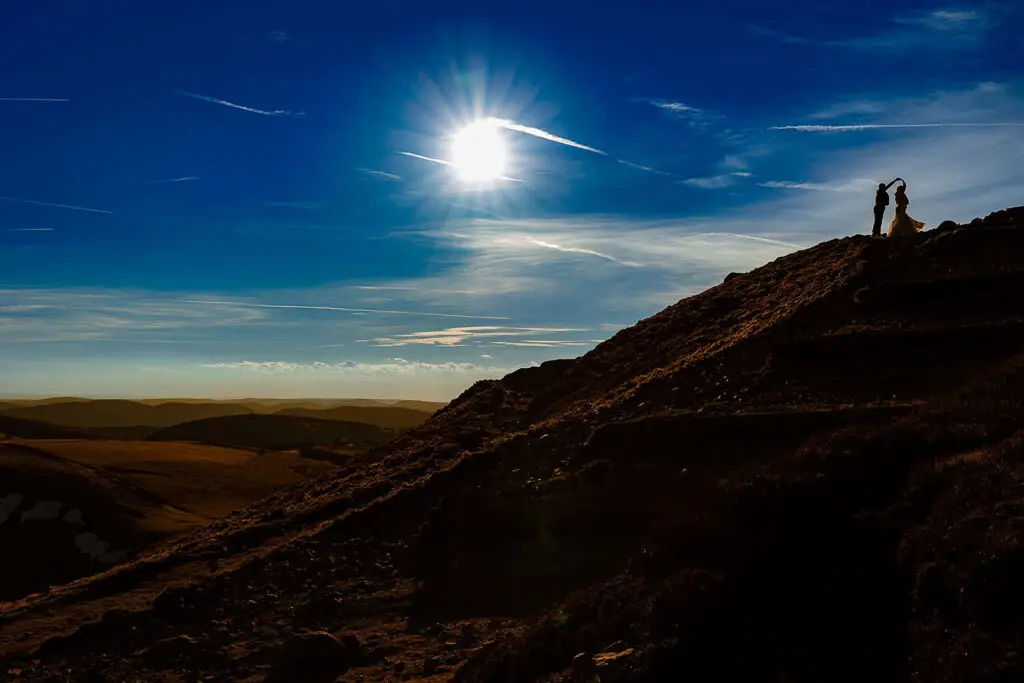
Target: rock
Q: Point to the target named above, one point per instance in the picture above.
(430, 666)
(468, 634)
(353, 647)
(164, 653)
(948, 225)
(731, 276)
(584, 669)
(311, 657)
(605, 658)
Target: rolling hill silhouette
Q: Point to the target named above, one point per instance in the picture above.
(390, 417)
(73, 507)
(809, 472)
(120, 413)
(35, 429)
(275, 432)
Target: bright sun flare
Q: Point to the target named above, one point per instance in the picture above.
(478, 152)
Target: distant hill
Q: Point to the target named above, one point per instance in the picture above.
(34, 429)
(427, 406)
(119, 413)
(382, 416)
(125, 433)
(72, 507)
(275, 432)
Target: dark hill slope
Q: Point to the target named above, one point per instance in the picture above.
(273, 432)
(382, 416)
(119, 413)
(34, 429)
(807, 473)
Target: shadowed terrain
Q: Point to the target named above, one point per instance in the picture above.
(72, 507)
(276, 432)
(809, 472)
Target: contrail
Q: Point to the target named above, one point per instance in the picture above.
(207, 98)
(59, 206)
(172, 180)
(644, 168)
(33, 99)
(874, 126)
(345, 310)
(580, 250)
(448, 163)
(30, 229)
(420, 156)
(537, 132)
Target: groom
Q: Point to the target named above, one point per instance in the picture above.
(881, 201)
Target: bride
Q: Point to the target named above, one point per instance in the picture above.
(903, 224)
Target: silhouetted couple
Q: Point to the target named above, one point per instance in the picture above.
(902, 224)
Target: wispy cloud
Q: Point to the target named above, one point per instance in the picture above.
(543, 134)
(780, 36)
(435, 160)
(588, 252)
(644, 168)
(305, 206)
(242, 107)
(341, 309)
(34, 99)
(717, 182)
(183, 179)
(421, 157)
(946, 20)
(944, 29)
(31, 229)
(860, 184)
(278, 36)
(693, 116)
(457, 336)
(382, 175)
(58, 206)
(819, 128)
(390, 366)
(52, 315)
(546, 343)
(937, 29)
(678, 109)
(406, 288)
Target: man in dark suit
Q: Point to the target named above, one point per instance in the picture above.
(881, 201)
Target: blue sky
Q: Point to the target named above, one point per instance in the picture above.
(227, 199)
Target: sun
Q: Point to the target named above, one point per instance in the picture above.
(478, 153)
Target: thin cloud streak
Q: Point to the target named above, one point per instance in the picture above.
(59, 206)
(383, 175)
(242, 107)
(818, 128)
(425, 158)
(448, 163)
(343, 309)
(579, 250)
(30, 229)
(543, 134)
(34, 99)
(183, 179)
(644, 168)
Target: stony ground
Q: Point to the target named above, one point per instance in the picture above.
(810, 472)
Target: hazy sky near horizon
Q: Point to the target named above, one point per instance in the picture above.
(258, 198)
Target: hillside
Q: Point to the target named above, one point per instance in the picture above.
(275, 432)
(807, 473)
(34, 429)
(70, 508)
(382, 416)
(119, 413)
(426, 406)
